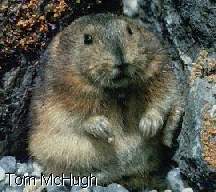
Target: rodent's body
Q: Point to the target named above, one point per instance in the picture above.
(87, 152)
(107, 109)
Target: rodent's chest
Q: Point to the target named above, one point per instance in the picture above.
(128, 139)
(125, 120)
(125, 117)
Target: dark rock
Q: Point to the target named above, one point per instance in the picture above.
(199, 17)
(190, 28)
(2, 186)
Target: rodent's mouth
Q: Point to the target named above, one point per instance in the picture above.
(119, 77)
(116, 78)
(122, 80)
(119, 74)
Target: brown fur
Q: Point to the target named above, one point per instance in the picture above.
(87, 119)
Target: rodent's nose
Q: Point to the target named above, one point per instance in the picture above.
(119, 70)
(121, 66)
(119, 59)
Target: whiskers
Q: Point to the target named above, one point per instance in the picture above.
(98, 77)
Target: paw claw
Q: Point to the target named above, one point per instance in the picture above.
(150, 123)
(99, 127)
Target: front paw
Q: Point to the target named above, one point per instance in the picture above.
(150, 123)
(99, 127)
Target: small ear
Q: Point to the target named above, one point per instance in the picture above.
(90, 28)
(129, 30)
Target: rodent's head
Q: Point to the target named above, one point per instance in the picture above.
(109, 51)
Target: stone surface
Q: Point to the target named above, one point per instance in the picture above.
(36, 169)
(2, 174)
(22, 168)
(192, 143)
(116, 188)
(98, 189)
(175, 180)
(8, 163)
(187, 190)
(130, 7)
(57, 189)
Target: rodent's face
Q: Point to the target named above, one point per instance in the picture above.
(113, 53)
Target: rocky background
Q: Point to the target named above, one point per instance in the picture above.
(189, 26)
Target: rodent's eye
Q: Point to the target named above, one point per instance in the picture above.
(88, 39)
(129, 30)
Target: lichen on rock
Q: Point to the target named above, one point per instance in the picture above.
(208, 134)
